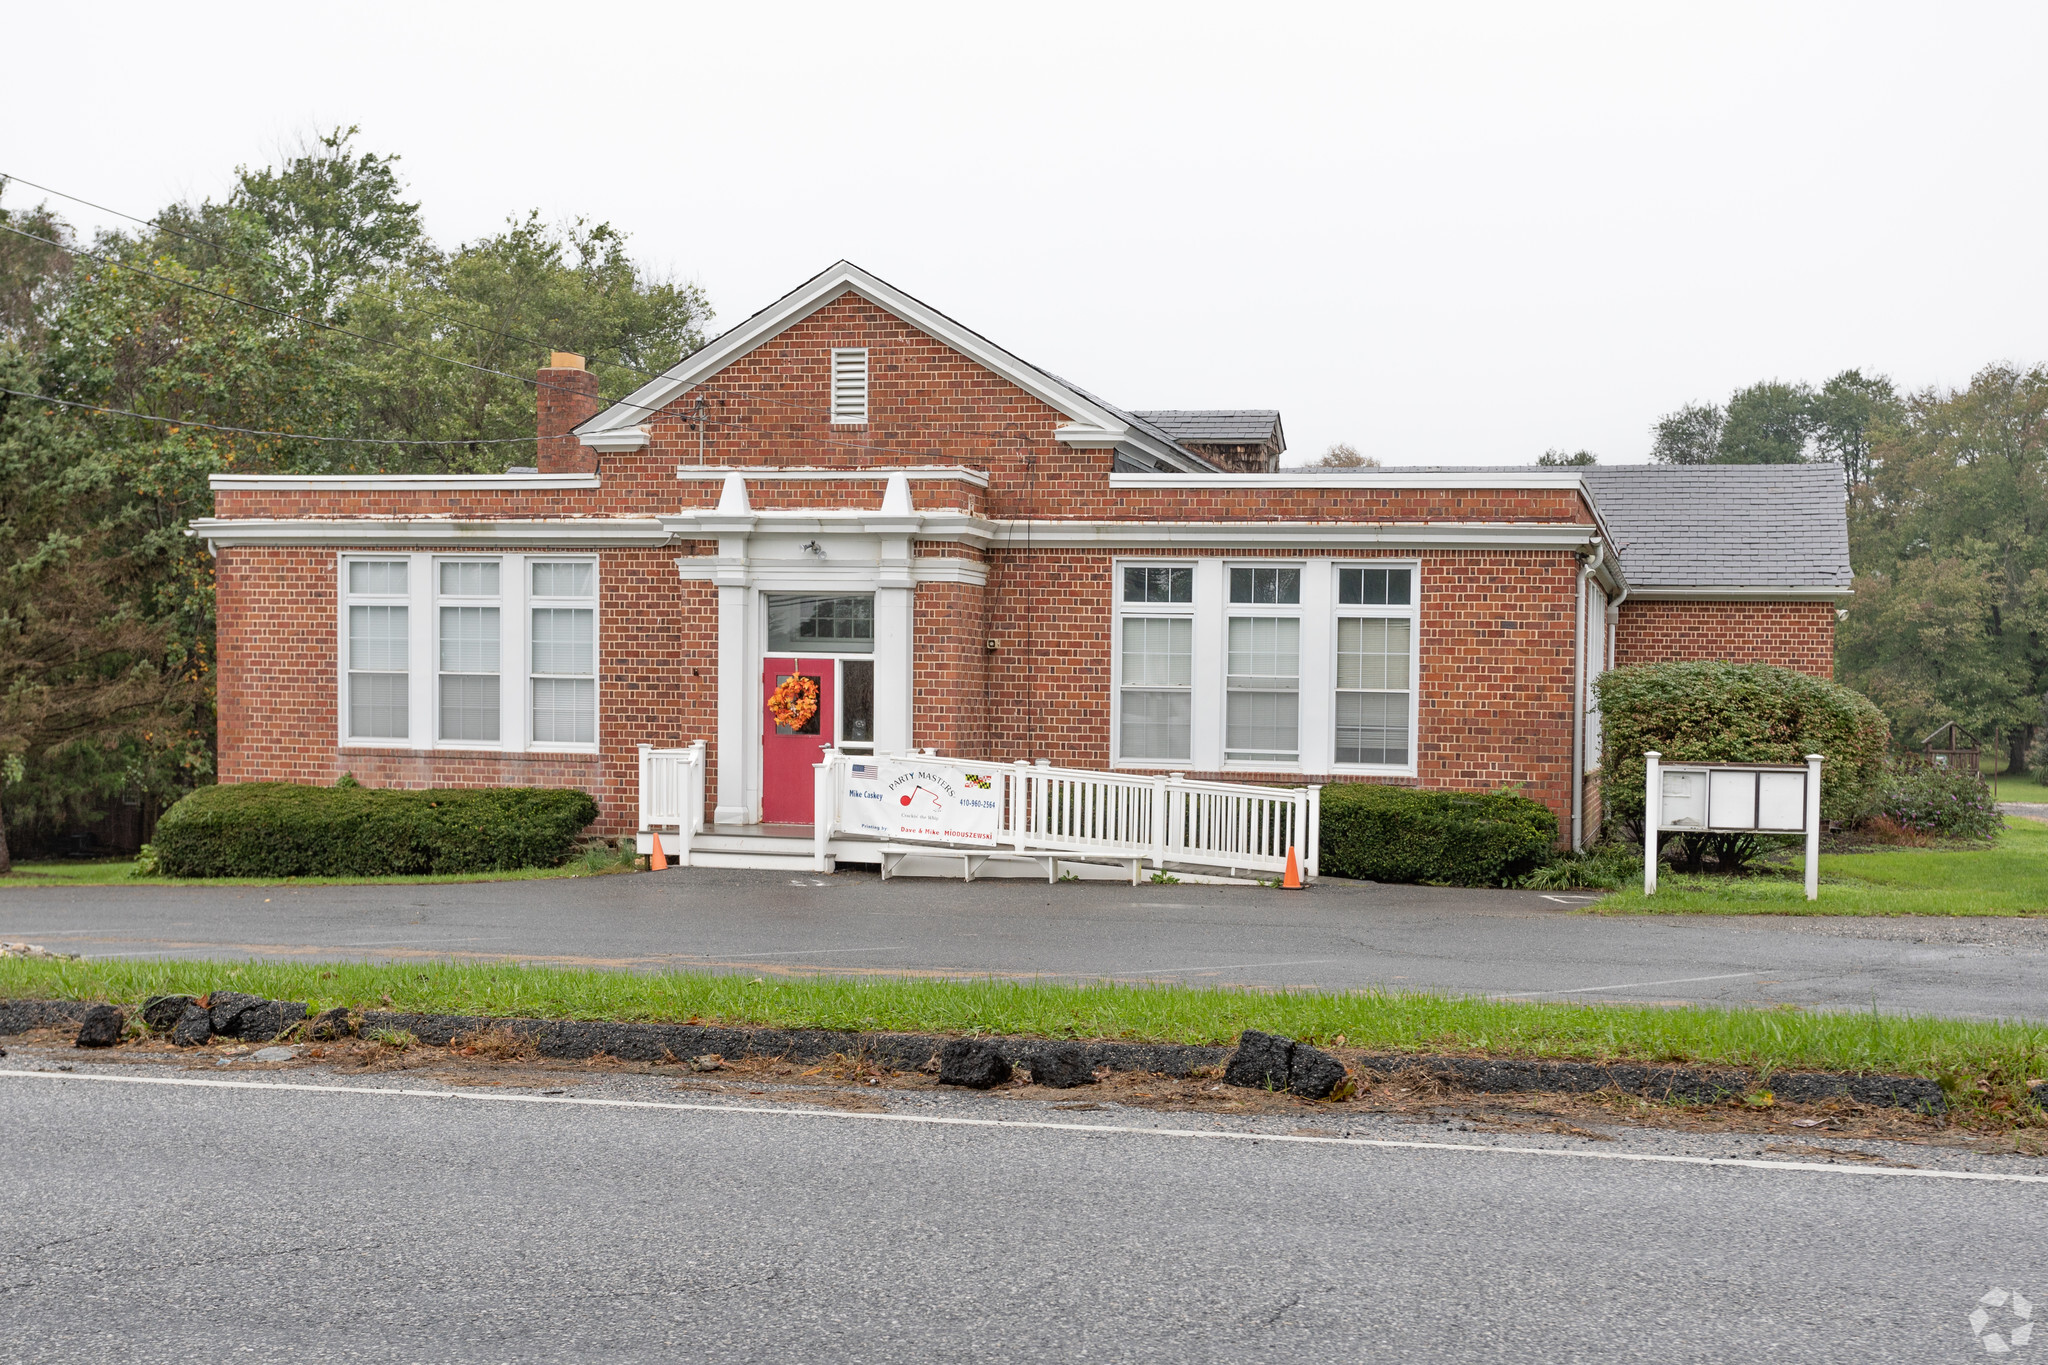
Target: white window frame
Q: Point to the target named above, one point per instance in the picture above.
(1186, 610)
(1412, 613)
(1303, 729)
(593, 603)
(409, 600)
(846, 416)
(516, 637)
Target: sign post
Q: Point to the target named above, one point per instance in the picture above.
(1730, 798)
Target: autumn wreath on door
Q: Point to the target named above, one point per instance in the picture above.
(794, 702)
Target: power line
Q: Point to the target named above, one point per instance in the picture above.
(252, 431)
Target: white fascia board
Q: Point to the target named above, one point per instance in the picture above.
(940, 525)
(879, 473)
(617, 441)
(800, 303)
(1083, 437)
(590, 532)
(1388, 480)
(1299, 535)
(400, 483)
(1741, 594)
(803, 577)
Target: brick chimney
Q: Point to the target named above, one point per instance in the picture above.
(566, 397)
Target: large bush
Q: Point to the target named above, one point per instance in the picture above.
(277, 829)
(1738, 713)
(1401, 834)
(1946, 801)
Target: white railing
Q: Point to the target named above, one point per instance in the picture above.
(1046, 813)
(672, 795)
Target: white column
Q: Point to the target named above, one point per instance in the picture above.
(1653, 816)
(737, 699)
(1318, 667)
(1206, 747)
(893, 607)
(1813, 827)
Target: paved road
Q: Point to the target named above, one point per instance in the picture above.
(1335, 934)
(160, 1223)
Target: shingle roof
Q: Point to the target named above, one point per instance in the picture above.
(1726, 526)
(1228, 426)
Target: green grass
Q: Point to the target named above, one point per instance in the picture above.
(1955, 1051)
(2021, 787)
(115, 872)
(2009, 878)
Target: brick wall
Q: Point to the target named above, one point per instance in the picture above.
(1797, 635)
(950, 669)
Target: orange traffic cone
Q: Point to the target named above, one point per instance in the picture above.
(657, 861)
(1292, 881)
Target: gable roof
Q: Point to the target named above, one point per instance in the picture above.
(1738, 529)
(1094, 422)
(1221, 426)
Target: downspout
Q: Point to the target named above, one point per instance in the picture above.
(1587, 568)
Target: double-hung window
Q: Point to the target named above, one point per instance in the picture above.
(1262, 685)
(564, 677)
(469, 648)
(1156, 650)
(1374, 709)
(378, 648)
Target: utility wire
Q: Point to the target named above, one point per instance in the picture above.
(252, 431)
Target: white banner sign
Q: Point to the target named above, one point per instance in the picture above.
(903, 799)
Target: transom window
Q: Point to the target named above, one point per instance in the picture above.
(1173, 583)
(1266, 587)
(804, 624)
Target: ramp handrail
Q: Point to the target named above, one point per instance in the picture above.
(1236, 826)
(672, 793)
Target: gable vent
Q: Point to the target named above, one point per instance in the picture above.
(850, 386)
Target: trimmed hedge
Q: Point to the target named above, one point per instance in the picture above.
(280, 829)
(1738, 713)
(1402, 834)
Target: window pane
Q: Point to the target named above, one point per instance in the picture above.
(1262, 725)
(562, 640)
(821, 625)
(1158, 651)
(564, 711)
(1266, 587)
(1372, 727)
(469, 640)
(1372, 653)
(1156, 725)
(564, 580)
(378, 577)
(857, 700)
(469, 578)
(469, 706)
(1265, 651)
(1165, 583)
(377, 639)
(376, 706)
(1372, 587)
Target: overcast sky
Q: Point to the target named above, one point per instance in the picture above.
(1442, 234)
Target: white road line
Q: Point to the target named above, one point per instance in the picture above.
(1226, 967)
(1630, 986)
(934, 1120)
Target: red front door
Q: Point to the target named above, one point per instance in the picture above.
(789, 753)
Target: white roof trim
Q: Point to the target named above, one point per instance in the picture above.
(960, 472)
(617, 441)
(1744, 594)
(394, 483)
(586, 532)
(791, 308)
(1303, 535)
(1362, 478)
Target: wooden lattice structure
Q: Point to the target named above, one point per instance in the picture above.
(1951, 747)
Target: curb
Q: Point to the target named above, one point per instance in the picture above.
(576, 1040)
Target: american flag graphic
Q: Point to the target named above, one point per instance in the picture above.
(864, 769)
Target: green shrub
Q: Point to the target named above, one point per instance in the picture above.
(1401, 834)
(278, 829)
(1948, 801)
(1737, 713)
(1606, 867)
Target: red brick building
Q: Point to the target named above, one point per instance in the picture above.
(970, 554)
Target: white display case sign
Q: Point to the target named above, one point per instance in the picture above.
(1731, 798)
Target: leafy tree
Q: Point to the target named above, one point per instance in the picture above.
(1766, 423)
(1846, 414)
(1558, 457)
(1692, 435)
(1773, 422)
